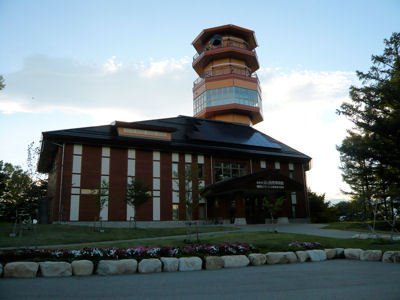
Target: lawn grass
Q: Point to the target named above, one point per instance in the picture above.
(264, 241)
(380, 226)
(67, 234)
(268, 241)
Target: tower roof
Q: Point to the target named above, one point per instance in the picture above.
(246, 34)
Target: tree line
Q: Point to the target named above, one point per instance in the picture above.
(370, 153)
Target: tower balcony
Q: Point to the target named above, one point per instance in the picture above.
(224, 44)
(225, 49)
(231, 71)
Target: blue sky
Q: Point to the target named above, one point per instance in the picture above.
(82, 63)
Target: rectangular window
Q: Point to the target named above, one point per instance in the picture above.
(156, 183)
(156, 155)
(175, 186)
(74, 208)
(131, 154)
(200, 171)
(226, 170)
(293, 198)
(188, 169)
(200, 159)
(105, 165)
(77, 149)
(130, 211)
(277, 165)
(76, 164)
(156, 208)
(175, 212)
(175, 172)
(76, 180)
(105, 152)
(291, 166)
(175, 196)
(263, 164)
(131, 167)
(156, 169)
(175, 157)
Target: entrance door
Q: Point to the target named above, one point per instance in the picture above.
(254, 211)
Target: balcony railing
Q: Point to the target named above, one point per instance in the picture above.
(225, 71)
(224, 44)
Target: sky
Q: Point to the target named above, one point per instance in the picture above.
(70, 63)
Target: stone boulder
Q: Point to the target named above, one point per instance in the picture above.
(192, 263)
(391, 257)
(281, 258)
(371, 255)
(302, 256)
(82, 267)
(257, 259)
(214, 263)
(339, 252)
(116, 267)
(351, 253)
(21, 269)
(316, 255)
(150, 265)
(330, 253)
(170, 264)
(235, 261)
(55, 269)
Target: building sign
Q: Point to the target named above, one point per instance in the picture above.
(89, 191)
(270, 184)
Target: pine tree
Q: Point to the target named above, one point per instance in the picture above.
(370, 154)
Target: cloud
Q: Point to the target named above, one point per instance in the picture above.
(299, 105)
(154, 88)
(111, 65)
(164, 67)
(299, 109)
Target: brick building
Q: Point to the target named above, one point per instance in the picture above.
(214, 166)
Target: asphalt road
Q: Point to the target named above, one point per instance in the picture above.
(335, 279)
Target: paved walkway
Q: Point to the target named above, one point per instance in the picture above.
(300, 228)
(333, 279)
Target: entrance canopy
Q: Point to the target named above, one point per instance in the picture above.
(254, 184)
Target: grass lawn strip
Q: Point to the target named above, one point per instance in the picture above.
(45, 235)
(264, 241)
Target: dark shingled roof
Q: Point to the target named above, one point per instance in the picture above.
(188, 134)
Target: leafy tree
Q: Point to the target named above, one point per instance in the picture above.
(2, 84)
(33, 151)
(15, 188)
(320, 211)
(370, 154)
(137, 193)
(273, 207)
(101, 197)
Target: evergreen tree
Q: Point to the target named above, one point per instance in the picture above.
(2, 84)
(370, 154)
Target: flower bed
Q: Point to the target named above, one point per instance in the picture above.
(138, 253)
(298, 246)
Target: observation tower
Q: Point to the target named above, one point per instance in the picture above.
(227, 88)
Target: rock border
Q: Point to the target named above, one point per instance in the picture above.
(183, 264)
